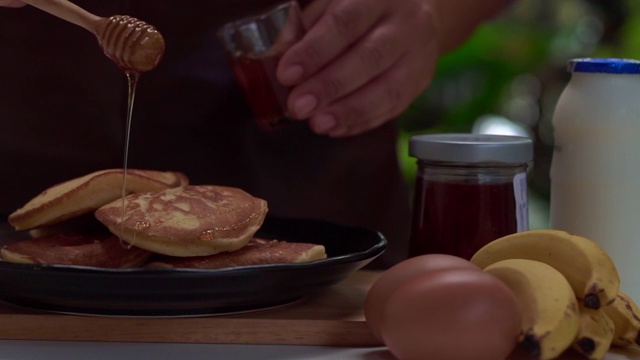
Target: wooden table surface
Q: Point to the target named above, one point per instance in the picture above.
(332, 317)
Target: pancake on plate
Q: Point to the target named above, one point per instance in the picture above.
(85, 194)
(104, 251)
(186, 221)
(256, 252)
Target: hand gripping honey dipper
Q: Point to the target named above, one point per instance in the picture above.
(132, 44)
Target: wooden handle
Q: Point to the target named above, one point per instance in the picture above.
(68, 11)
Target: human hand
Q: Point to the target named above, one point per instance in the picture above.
(12, 3)
(360, 64)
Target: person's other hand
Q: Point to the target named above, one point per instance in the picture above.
(12, 3)
(360, 64)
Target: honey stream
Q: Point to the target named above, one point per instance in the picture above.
(132, 81)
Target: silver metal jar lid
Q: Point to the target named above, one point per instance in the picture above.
(471, 148)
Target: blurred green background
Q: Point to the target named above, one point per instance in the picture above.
(509, 75)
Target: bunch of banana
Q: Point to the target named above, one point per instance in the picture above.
(595, 333)
(625, 314)
(551, 319)
(568, 287)
(588, 268)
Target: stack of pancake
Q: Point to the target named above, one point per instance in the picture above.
(161, 222)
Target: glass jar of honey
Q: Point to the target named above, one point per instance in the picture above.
(469, 190)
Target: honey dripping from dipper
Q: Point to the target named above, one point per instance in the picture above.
(136, 47)
(133, 45)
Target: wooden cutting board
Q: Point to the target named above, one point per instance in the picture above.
(332, 317)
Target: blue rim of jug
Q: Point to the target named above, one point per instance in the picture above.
(604, 65)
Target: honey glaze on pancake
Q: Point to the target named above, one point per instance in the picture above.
(98, 250)
(214, 233)
(190, 208)
(188, 221)
(140, 225)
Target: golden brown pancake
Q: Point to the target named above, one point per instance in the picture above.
(256, 252)
(186, 221)
(105, 251)
(83, 195)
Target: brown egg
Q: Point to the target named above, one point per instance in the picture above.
(399, 274)
(452, 314)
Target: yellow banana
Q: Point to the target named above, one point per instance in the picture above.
(588, 268)
(549, 307)
(595, 334)
(626, 320)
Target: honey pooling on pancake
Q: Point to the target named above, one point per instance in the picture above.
(212, 234)
(123, 243)
(140, 225)
(208, 235)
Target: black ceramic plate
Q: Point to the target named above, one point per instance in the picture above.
(184, 292)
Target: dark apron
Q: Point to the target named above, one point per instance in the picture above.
(62, 115)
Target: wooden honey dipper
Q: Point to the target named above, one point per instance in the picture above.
(132, 44)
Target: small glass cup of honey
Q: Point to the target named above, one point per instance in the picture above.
(254, 45)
